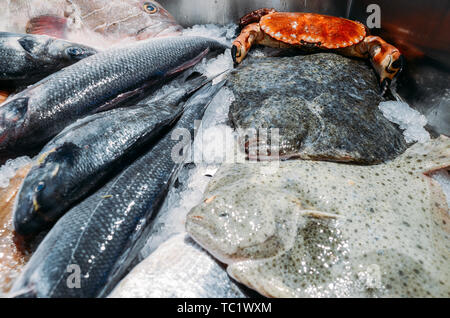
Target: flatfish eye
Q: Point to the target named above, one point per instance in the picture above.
(150, 8)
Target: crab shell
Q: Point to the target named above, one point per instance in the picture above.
(321, 30)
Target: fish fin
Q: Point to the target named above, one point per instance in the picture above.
(119, 99)
(48, 25)
(28, 43)
(189, 64)
(426, 157)
(319, 214)
(64, 153)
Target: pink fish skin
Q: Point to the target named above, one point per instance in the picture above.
(97, 23)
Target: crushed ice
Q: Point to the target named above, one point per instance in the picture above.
(223, 34)
(9, 169)
(209, 151)
(409, 120)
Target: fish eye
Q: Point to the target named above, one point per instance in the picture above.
(40, 186)
(74, 51)
(150, 8)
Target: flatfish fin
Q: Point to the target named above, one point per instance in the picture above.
(425, 158)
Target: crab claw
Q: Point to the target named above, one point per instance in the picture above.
(236, 53)
(391, 71)
(385, 84)
(386, 59)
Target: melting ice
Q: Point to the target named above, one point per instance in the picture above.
(409, 120)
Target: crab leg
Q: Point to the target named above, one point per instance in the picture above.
(250, 34)
(385, 58)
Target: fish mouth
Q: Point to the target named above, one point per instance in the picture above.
(203, 236)
(159, 29)
(28, 220)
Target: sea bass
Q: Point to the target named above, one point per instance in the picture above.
(102, 235)
(96, 83)
(97, 23)
(27, 59)
(86, 153)
(318, 229)
(179, 268)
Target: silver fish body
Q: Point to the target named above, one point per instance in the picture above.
(179, 268)
(90, 151)
(101, 81)
(105, 233)
(28, 58)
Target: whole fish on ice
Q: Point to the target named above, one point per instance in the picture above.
(105, 233)
(27, 59)
(319, 229)
(88, 152)
(324, 105)
(96, 83)
(179, 268)
(98, 23)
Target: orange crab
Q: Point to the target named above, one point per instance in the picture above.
(315, 31)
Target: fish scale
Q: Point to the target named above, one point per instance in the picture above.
(43, 110)
(105, 232)
(83, 155)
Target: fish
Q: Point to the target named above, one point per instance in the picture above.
(27, 58)
(90, 151)
(324, 106)
(13, 255)
(100, 23)
(101, 237)
(179, 268)
(323, 229)
(97, 83)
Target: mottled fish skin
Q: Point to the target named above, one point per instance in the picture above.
(101, 235)
(98, 23)
(27, 58)
(324, 105)
(40, 112)
(318, 229)
(179, 268)
(86, 153)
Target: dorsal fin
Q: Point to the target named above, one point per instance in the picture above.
(426, 157)
(48, 25)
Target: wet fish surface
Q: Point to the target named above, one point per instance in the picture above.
(102, 234)
(97, 23)
(13, 255)
(179, 268)
(320, 229)
(86, 153)
(27, 58)
(99, 82)
(324, 105)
